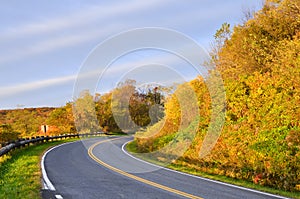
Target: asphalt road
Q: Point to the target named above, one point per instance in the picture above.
(99, 168)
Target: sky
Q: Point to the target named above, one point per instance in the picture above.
(43, 46)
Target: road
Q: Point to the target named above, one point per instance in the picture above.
(99, 168)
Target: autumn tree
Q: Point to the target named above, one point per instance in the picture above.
(7, 133)
(128, 109)
(105, 115)
(84, 113)
(63, 119)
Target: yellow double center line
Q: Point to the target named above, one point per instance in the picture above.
(154, 184)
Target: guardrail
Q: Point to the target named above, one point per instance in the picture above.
(9, 146)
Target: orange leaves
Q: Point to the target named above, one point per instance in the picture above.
(257, 178)
(293, 139)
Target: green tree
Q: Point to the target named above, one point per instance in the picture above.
(84, 113)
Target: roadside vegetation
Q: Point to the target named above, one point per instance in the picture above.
(20, 174)
(259, 62)
(131, 147)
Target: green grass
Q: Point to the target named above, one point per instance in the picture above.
(20, 174)
(132, 147)
(178, 166)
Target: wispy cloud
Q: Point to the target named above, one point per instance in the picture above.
(71, 30)
(56, 43)
(84, 29)
(89, 15)
(31, 86)
(115, 70)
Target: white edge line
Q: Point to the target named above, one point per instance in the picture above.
(46, 182)
(202, 178)
(58, 197)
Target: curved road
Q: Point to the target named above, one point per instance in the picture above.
(99, 168)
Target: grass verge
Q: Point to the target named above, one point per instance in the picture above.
(20, 174)
(186, 168)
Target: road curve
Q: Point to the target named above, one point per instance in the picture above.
(99, 168)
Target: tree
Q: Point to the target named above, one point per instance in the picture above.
(128, 109)
(105, 115)
(84, 113)
(63, 119)
(7, 133)
(26, 121)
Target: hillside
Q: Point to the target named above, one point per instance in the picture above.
(22, 122)
(259, 62)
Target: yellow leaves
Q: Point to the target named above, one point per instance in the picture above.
(260, 66)
(254, 45)
(259, 91)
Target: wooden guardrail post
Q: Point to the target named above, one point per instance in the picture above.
(33, 140)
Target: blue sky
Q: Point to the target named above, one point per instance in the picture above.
(43, 45)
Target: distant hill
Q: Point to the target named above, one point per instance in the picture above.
(26, 121)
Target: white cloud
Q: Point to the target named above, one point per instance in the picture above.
(26, 87)
(80, 19)
(85, 26)
(56, 43)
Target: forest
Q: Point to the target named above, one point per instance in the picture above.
(108, 113)
(259, 62)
